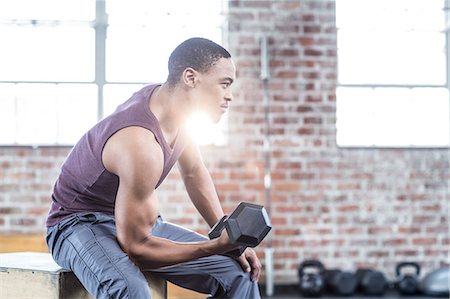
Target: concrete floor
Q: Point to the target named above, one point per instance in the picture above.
(291, 292)
(386, 296)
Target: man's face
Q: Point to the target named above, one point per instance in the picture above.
(213, 92)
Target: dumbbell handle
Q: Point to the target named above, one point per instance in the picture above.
(216, 231)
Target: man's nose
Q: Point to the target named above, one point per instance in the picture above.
(229, 96)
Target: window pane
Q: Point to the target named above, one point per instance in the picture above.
(36, 113)
(393, 117)
(142, 36)
(152, 13)
(391, 42)
(8, 108)
(116, 94)
(76, 111)
(44, 53)
(80, 10)
(46, 113)
(398, 15)
(381, 57)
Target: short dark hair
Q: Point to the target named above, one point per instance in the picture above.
(197, 53)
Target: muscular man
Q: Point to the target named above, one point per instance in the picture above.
(104, 223)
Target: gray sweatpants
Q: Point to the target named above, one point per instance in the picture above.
(86, 244)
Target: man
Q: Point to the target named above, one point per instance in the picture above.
(104, 223)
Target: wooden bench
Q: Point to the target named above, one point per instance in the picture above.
(35, 275)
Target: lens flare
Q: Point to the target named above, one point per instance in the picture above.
(203, 131)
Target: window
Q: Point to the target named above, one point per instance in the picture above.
(67, 64)
(392, 73)
(47, 90)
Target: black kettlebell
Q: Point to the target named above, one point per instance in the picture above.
(311, 282)
(407, 284)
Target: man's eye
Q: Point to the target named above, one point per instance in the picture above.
(225, 84)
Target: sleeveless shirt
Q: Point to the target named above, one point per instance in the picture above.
(84, 184)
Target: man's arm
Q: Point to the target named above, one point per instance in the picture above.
(199, 184)
(137, 159)
(202, 192)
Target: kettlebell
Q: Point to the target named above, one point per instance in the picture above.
(311, 282)
(407, 284)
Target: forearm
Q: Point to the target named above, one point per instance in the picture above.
(154, 252)
(203, 194)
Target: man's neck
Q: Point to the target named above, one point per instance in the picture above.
(171, 108)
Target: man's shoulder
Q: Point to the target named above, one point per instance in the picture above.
(134, 138)
(134, 155)
(134, 143)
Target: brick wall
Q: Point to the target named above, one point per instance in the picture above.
(348, 207)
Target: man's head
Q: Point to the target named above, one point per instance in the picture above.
(204, 71)
(196, 53)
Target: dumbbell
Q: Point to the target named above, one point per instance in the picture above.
(247, 226)
(371, 282)
(340, 282)
(407, 284)
(311, 282)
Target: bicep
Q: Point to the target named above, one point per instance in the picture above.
(136, 158)
(134, 216)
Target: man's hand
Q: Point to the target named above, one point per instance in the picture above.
(250, 263)
(248, 259)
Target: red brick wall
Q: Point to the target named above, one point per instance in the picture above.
(27, 176)
(348, 207)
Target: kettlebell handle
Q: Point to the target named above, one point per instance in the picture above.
(311, 264)
(407, 264)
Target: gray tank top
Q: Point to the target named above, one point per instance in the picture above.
(84, 185)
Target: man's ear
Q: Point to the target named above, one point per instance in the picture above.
(189, 77)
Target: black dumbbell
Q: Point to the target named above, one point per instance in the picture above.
(310, 274)
(371, 282)
(247, 226)
(339, 282)
(407, 284)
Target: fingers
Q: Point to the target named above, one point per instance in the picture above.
(252, 262)
(244, 263)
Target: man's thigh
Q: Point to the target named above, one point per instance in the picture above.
(210, 275)
(87, 245)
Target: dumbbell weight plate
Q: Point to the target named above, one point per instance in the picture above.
(248, 224)
(344, 283)
(340, 283)
(371, 282)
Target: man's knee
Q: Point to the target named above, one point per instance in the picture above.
(242, 279)
(242, 286)
(128, 289)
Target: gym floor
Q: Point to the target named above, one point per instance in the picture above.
(291, 292)
(387, 296)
